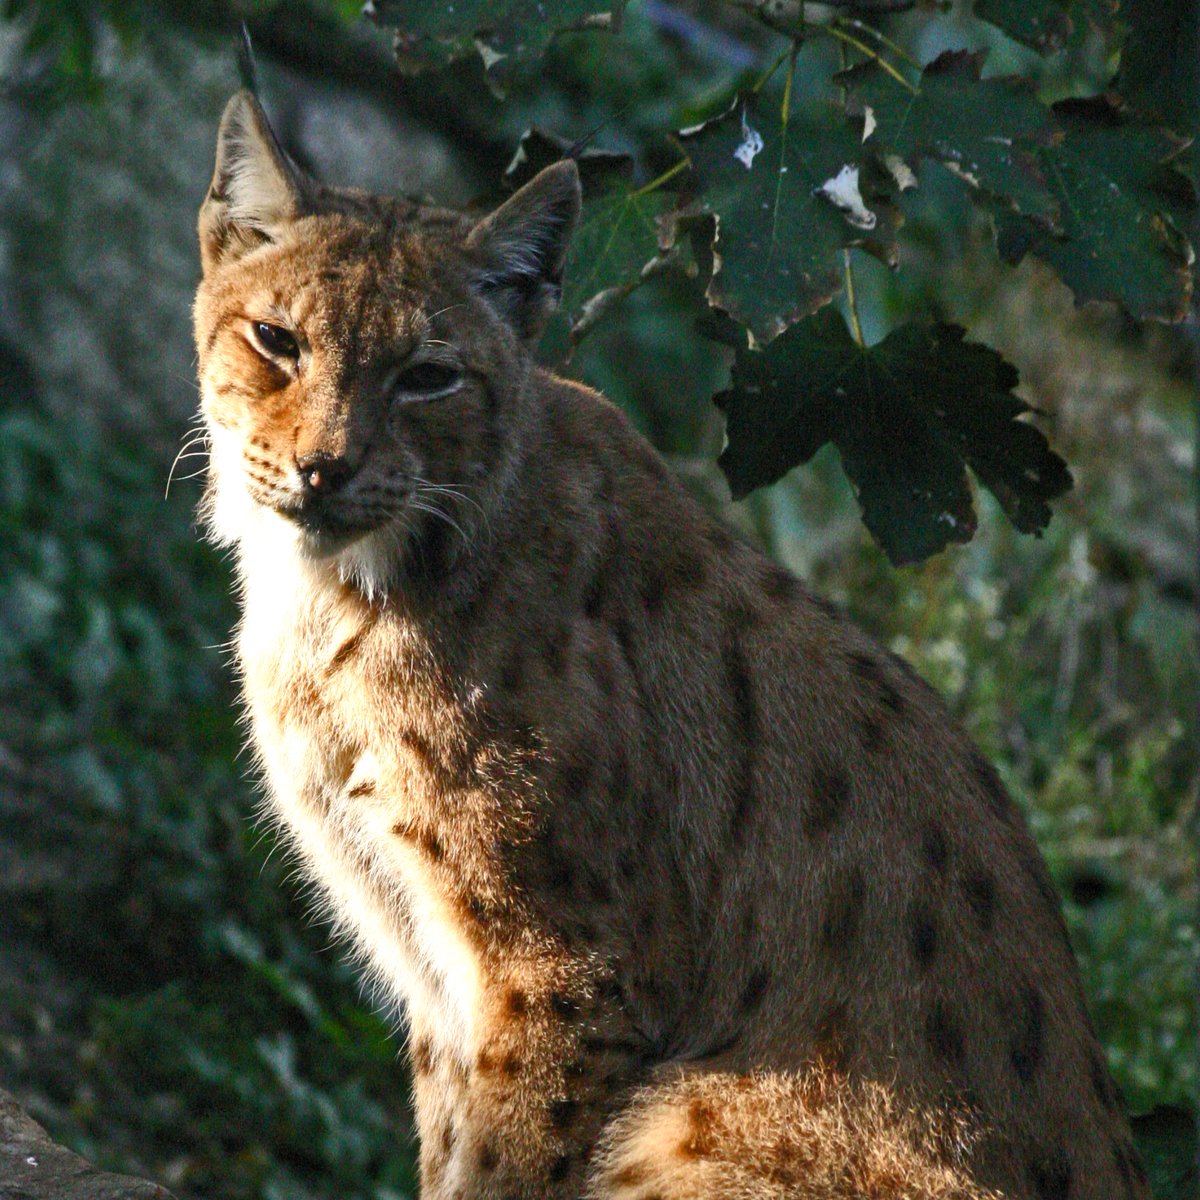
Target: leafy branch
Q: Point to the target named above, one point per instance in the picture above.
(769, 197)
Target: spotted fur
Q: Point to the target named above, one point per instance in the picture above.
(685, 887)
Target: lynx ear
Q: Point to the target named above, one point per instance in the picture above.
(523, 246)
(256, 189)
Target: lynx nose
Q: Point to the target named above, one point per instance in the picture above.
(323, 474)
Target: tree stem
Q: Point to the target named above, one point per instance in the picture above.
(852, 300)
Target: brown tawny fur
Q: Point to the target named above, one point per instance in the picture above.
(686, 887)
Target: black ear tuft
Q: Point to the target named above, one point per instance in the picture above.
(522, 247)
(256, 189)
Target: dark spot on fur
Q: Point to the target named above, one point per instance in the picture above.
(871, 729)
(422, 1056)
(563, 1113)
(755, 990)
(598, 889)
(510, 1065)
(870, 671)
(430, 843)
(924, 931)
(516, 1003)
(347, 649)
(593, 597)
(485, 1063)
(479, 911)
(447, 1137)
(558, 642)
(1027, 1045)
(423, 751)
(781, 586)
(366, 788)
(577, 776)
(935, 848)
(980, 889)
(560, 1168)
(563, 1006)
(512, 674)
(944, 1035)
(745, 732)
(991, 787)
(1050, 1175)
(686, 570)
(830, 796)
(487, 1158)
(840, 926)
(653, 589)
(834, 1037)
(699, 1141)
(630, 1176)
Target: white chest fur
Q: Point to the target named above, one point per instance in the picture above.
(341, 790)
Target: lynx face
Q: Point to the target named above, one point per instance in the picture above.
(361, 359)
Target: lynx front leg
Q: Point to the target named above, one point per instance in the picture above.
(777, 1137)
(519, 1114)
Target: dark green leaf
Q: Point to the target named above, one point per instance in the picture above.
(539, 148)
(1124, 208)
(1166, 1140)
(1049, 25)
(431, 33)
(1160, 60)
(907, 416)
(985, 131)
(778, 234)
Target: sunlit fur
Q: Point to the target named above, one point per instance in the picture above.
(687, 889)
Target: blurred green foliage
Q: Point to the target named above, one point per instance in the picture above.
(214, 1040)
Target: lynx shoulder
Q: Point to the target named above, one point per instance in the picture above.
(686, 887)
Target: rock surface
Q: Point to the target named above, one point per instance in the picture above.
(32, 1167)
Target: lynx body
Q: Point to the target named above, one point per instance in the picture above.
(686, 887)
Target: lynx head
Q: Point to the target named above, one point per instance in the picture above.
(364, 361)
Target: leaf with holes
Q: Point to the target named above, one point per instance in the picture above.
(1124, 208)
(787, 193)
(908, 416)
(984, 130)
(432, 33)
(1049, 25)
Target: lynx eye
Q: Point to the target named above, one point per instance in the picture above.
(426, 379)
(276, 340)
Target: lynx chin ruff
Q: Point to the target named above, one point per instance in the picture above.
(686, 887)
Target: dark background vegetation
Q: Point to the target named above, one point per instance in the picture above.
(168, 1004)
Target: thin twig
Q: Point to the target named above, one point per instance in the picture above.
(666, 176)
(835, 31)
(770, 71)
(881, 38)
(852, 300)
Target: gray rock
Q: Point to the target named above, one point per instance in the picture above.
(32, 1167)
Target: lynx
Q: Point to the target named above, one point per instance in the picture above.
(687, 889)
